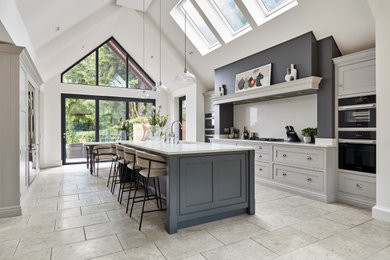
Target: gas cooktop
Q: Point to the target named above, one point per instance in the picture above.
(270, 139)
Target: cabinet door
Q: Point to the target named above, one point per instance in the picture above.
(356, 78)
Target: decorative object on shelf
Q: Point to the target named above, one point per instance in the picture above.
(254, 78)
(291, 73)
(291, 134)
(309, 134)
(222, 90)
(236, 133)
(185, 77)
(156, 122)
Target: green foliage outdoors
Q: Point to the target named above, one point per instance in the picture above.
(112, 71)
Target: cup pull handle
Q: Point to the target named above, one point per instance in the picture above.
(284, 174)
(284, 155)
(308, 158)
(309, 179)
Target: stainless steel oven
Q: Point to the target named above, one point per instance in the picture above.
(357, 112)
(357, 151)
(209, 120)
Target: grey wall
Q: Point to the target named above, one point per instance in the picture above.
(311, 58)
(300, 51)
(327, 50)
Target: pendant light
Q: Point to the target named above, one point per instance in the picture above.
(143, 94)
(160, 86)
(185, 77)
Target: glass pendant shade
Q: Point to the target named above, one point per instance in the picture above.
(160, 87)
(185, 77)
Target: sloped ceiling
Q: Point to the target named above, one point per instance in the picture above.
(86, 23)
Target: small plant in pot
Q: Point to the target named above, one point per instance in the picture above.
(309, 134)
(236, 132)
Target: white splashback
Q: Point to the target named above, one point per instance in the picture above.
(270, 117)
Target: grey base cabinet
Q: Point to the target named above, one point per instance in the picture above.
(304, 169)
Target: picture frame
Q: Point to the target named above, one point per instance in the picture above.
(253, 79)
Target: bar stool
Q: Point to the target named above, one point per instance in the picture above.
(153, 166)
(116, 178)
(130, 174)
(113, 162)
(101, 152)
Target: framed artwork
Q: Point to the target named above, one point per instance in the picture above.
(253, 79)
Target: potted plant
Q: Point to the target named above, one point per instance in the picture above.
(162, 123)
(157, 122)
(124, 127)
(309, 134)
(236, 132)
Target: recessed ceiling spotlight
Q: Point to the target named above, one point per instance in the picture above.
(57, 28)
(191, 52)
(83, 47)
(151, 56)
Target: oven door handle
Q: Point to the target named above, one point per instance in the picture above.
(357, 107)
(356, 141)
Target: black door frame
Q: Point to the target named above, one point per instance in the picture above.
(181, 99)
(64, 96)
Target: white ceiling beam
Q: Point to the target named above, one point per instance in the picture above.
(134, 4)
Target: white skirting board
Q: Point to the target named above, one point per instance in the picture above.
(51, 164)
(12, 211)
(381, 213)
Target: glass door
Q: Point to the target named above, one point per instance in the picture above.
(79, 126)
(111, 112)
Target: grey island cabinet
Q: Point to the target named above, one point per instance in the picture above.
(205, 181)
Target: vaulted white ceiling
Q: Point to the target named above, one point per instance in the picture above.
(84, 24)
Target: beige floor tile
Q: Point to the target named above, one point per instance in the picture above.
(110, 228)
(348, 217)
(270, 195)
(47, 217)
(381, 255)
(284, 240)
(50, 240)
(7, 249)
(185, 246)
(331, 207)
(156, 231)
(44, 254)
(18, 231)
(273, 221)
(133, 239)
(272, 207)
(235, 231)
(78, 203)
(195, 257)
(246, 249)
(88, 249)
(297, 201)
(149, 252)
(320, 227)
(86, 210)
(370, 234)
(73, 222)
(116, 256)
(305, 212)
(334, 247)
(197, 228)
(116, 215)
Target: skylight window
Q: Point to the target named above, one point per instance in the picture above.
(232, 14)
(273, 5)
(198, 22)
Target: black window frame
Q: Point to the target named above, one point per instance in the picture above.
(148, 82)
(181, 99)
(65, 96)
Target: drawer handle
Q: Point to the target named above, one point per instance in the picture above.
(359, 185)
(260, 156)
(309, 179)
(309, 158)
(284, 155)
(284, 174)
(261, 169)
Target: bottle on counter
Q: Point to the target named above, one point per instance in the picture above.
(246, 133)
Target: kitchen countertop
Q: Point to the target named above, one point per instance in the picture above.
(275, 143)
(185, 147)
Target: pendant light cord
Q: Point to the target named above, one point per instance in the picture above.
(160, 38)
(143, 32)
(185, 39)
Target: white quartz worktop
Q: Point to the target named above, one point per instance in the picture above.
(251, 142)
(184, 147)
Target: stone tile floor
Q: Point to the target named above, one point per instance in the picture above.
(70, 214)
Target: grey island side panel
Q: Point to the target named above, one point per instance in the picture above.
(208, 187)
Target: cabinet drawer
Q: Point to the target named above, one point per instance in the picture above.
(261, 148)
(313, 158)
(262, 156)
(357, 184)
(262, 170)
(302, 178)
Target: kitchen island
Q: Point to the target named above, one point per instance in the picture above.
(205, 181)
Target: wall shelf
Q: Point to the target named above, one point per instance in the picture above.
(299, 87)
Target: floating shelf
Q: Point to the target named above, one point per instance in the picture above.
(299, 87)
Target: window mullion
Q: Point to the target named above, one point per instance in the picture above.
(97, 67)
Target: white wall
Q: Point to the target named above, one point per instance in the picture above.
(51, 113)
(269, 118)
(381, 10)
(195, 110)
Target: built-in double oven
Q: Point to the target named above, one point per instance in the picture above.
(357, 134)
(209, 127)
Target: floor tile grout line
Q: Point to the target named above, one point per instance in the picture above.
(16, 248)
(159, 250)
(120, 243)
(265, 246)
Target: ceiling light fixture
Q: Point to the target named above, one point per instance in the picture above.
(160, 86)
(143, 94)
(185, 77)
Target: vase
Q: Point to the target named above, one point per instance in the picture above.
(123, 135)
(288, 76)
(154, 133)
(294, 72)
(307, 139)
